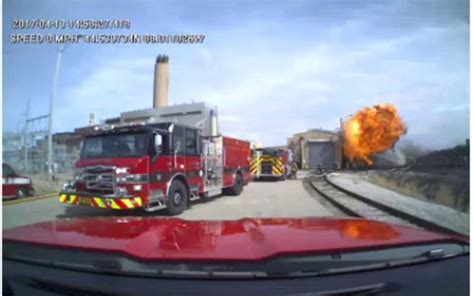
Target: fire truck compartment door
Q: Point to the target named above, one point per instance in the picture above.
(213, 164)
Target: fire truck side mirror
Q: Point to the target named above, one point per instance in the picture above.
(158, 145)
(158, 140)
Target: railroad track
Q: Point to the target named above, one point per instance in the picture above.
(359, 206)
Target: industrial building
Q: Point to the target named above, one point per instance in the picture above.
(317, 148)
(199, 115)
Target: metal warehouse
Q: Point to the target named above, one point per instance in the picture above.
(317, 148)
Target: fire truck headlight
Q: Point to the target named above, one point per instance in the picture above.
(137, 187)
(131, 178)
(69, 186)
(78, 173)
(121, 170)
(120, 191)
(122, 179)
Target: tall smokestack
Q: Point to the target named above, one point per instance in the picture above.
(92, 119)
(160, 89)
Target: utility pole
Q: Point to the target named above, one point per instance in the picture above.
(61, 49)
(51, 113)
(25, 136)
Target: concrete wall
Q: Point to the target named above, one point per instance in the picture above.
(299, 145)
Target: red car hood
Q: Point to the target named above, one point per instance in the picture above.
(245, 239)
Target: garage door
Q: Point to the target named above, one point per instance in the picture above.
(323, 154)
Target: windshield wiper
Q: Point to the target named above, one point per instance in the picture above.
(278, 267)
(367, 260)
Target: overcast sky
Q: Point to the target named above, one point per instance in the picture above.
(273, 68)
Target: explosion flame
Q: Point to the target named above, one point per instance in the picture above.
(372, 130)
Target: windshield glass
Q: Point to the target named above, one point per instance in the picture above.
(270, 152)
(7, 171)
(115, 145)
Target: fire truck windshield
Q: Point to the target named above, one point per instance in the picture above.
(271, 152)
(115, 145)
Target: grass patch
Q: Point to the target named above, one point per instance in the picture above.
(43, 185)
(443, 190)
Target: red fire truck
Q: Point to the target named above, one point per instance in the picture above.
(156, 166)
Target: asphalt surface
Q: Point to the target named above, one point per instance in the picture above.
(259, 199)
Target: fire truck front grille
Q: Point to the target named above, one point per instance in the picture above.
(266, 168)
(99, 179)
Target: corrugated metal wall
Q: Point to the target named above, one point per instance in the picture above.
(299, 145)
(322, 155)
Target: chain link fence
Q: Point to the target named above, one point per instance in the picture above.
(33, 162)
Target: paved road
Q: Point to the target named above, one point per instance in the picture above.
(259, 199)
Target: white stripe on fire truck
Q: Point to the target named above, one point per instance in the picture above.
(15, 181)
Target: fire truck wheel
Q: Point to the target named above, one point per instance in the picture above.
(177, 198)
(237, 188)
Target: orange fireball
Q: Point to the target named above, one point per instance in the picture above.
(372, 130)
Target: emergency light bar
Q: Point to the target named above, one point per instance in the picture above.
(131, 126)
